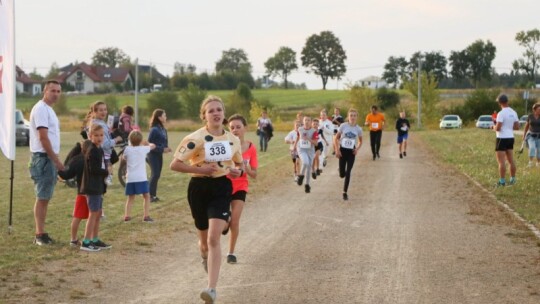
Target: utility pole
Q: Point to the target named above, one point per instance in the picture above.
(419, 92)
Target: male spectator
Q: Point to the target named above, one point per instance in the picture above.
(507, 122)
(45, 148)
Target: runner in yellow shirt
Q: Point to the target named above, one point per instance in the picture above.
(375, 121)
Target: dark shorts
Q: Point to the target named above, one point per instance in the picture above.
(402, 138)
(95, 202)
(43, 172)
(504, 144)
(209, 198)
(239, 195)
(80, 210)
(319, 147)
(137, 188)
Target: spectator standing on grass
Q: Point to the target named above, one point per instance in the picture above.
(507, 122)
(348, 142)
(75, 169)
(125, 121)
(44, 162)
(209, 155)
(238, 127)
(402, 127)
(264, 124)
(137, 181)
(375, 121)
(93, 186)
(531, 133)
(158, 137)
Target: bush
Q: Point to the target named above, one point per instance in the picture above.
(112, 104)
(192, 97)
(166, 100)
(60, 107)
(480, 102)
(387, 98)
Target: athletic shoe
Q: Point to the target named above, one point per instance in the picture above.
(231, 259)
(400, 155)
(208, 295)
(43, 239)
(75, 243)
(404, 153)
(319, 171)
(148, 219)
(300, 180)
(499, 184)
(101, 245)
(108, 180)
(90, 247)
(324, 163)
(127, 219)
(308, 188)
(295, 179)
(205, 264)
(345, 196)
(154, 199)
(314, 175)
(512, 181)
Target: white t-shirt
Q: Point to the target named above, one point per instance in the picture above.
(136, 163)
(291, 137)
(507, 116)
(328, 128)
(42, 115)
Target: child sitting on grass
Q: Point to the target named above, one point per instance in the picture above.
(137, 180)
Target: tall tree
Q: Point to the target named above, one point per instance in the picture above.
(233, 60)
(433, 63)
(325, 56)
(110, 57)
(395, 70)
(531, 57)
(474, 62)
(282, 64)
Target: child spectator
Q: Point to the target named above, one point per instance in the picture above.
(93, 186)
(137, 181)
(124, 122)
(74, 169)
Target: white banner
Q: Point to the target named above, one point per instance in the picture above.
(7, 78)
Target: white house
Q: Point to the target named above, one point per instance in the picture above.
(372, 82)
(89, 79)
(25, 84)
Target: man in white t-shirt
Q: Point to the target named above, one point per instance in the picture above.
(507, 121)
(44, 162)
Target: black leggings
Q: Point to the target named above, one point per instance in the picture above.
(375, 141)
(346, 163)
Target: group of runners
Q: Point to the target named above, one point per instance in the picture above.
(312, 140)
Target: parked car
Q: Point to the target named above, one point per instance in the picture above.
(450, 122)
(523, 121)
(484, 122)
(22, 129)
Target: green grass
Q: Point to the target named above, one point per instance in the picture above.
(471, 151)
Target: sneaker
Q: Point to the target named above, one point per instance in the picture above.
(345, 197)
(512, 181)
(75, 243)
(404, 153)
(208, 295)
(400, 155)
(500, 184)
(89, 247)
(314, 175)
(205, 264)
(324, 163)
(101, 245)
(127, 219)
(108, 180)
(154, 199)
(295, 179)
(43, 239)
(231, 259)
(308, 188)
(148, 219)
(319, 171)
(300, 180)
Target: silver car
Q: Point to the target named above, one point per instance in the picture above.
(484, 122)
(22, 129)
(450, 122)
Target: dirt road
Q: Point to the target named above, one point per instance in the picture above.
(412, 231)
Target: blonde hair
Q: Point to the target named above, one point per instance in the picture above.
(352, 110)
(208, 100)
(95, 127)
(135, 137)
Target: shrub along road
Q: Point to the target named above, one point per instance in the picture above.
(413, 231)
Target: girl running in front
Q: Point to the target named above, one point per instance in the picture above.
(237, 126)
(305, 142)
(347, 143)
(209, 155)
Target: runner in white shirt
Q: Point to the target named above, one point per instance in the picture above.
(291, 139)
(328, 128)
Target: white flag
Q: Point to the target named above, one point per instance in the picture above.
(7, 78)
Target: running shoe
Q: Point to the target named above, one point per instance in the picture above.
(101, 245)
(400, 155)
(208, 295)
(500, 184)
(231, 259)
(43, 239)
(127, 219)
(295, 179)
(108, 180)
(512, 181)
(154, 199)
(89, 247)
(345, 196)
(300, 180)
(308, 188)
(74, 243)
(404, 153)
(314, 175)
(324, 163)
(148, 219)
(319, 171)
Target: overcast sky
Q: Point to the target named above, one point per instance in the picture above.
(162, 32)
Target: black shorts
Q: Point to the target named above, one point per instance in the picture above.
(239, 195)
(504, 144)
(319, 147)
(209, 198)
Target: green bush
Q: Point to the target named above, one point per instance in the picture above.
(387, 98)
(166, 100)
(192, 97)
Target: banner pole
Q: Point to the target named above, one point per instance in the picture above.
(10, 227)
